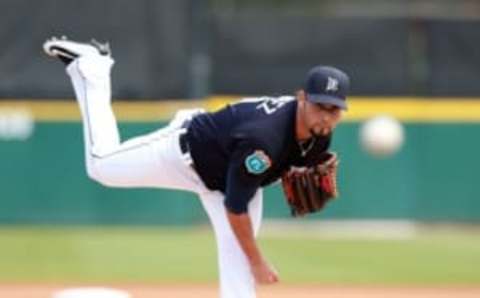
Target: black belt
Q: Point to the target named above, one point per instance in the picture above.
(184, 147)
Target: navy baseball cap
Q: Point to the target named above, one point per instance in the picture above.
(329, 85)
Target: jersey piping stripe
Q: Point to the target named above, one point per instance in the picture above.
(90, 134)
(122, 150)
(85, 104)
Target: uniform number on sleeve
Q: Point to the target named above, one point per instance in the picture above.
(271, 104)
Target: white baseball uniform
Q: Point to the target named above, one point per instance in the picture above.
(155, 160)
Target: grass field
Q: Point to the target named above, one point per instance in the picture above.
(140, 254)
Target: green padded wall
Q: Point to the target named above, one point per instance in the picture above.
(433, 177)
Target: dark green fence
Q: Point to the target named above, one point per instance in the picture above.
(192, 48)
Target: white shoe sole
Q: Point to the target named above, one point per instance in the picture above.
(62, 47)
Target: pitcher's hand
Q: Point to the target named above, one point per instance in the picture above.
(264, 273)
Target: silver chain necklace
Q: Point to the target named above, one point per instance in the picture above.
(303, 150)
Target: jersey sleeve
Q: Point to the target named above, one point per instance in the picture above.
(246, 170)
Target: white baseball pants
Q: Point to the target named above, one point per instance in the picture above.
(154, 160)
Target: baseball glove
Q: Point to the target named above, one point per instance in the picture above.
(308, 189)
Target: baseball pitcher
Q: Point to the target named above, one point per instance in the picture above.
(225, 157)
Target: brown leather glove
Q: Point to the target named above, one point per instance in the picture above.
(307, 189)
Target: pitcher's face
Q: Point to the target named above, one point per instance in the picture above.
(321, 119)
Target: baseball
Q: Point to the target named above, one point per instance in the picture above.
(382, 135)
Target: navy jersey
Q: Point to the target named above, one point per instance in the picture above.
(247, 145)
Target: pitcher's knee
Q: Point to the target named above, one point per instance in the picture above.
(101, 174)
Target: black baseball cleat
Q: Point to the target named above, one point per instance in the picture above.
(67, 50)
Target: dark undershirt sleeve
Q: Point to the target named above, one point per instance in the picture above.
(241, 184)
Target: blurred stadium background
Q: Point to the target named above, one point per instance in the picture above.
(407, 220)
